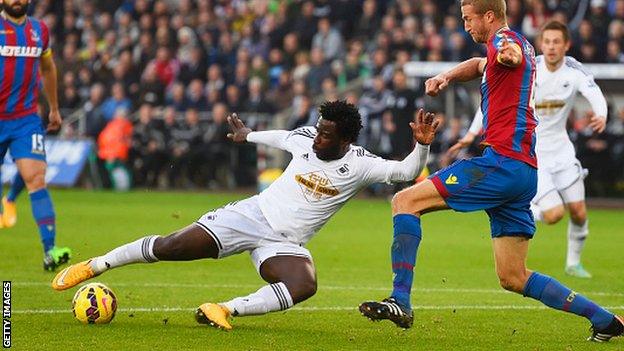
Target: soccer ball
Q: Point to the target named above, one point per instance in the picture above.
(94, 303)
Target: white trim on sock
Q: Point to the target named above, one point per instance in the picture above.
(269, 298)
(139, 251)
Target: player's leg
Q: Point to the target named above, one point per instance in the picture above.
(28, 149)
(33, 172)
(550, 207)
(510, 256)
(291, 275)
(547, 205)
(578, 228)
(9, 213)
(189, 243)
(407, 206)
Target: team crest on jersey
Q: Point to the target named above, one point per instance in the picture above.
(316, 186)
(34, 35)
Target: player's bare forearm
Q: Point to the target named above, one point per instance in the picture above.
(49, 76)
(467, 70)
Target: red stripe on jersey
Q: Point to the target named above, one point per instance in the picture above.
(28, 68)
(504, 93)
(45, 35)
(9, 67)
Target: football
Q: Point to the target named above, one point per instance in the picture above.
(94, 303)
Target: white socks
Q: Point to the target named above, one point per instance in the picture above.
(269, 298)
(140, 251)
(576, 239)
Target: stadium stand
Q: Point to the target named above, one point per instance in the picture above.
(177, 67)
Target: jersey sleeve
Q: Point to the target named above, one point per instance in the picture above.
(589, 89)
(380, 170)
(282, 139)
(45, 37)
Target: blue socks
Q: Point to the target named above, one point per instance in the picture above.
(551, 293)
(43, 211)
(407, 236)
(16, 187)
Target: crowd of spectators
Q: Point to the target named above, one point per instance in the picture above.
(176, 68)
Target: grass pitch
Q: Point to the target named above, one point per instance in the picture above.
(458, 304)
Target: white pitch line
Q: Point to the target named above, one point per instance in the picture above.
(321, 287)
(309, 309)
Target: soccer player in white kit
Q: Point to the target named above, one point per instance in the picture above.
(326, 170)
(560, 174)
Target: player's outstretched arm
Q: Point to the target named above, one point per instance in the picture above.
(48, 74)
(240, 134)
(423, 128)
(467, 70)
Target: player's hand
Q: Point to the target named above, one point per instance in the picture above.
(239, 131)
(460, 144)
(509, 53)
(598, 123)
(434, 85)
(424, 127)
(54, 121)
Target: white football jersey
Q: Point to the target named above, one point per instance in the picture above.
(310, 190)
(554, 98)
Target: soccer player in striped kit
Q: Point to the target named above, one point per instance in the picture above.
(26, 62)
(503, 181)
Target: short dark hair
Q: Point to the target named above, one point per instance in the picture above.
(345, 115)
(556, 25)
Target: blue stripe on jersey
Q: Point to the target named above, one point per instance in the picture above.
(32, 85)
(485, 103)
(523, 106)
(20, 62)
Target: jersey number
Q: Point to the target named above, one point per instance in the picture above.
(37, 143)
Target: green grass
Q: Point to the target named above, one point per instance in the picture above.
(460, 304)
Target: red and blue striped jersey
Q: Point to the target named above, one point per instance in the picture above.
(21, 47)
(507, 101)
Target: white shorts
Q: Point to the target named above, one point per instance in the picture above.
(241, 226)
(561, 186)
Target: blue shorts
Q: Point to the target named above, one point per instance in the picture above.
(500, 185)
(24, 137)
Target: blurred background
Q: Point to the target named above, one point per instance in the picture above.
(145, 86)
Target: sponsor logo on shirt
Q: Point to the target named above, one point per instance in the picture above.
(316, 186)
(20, 51)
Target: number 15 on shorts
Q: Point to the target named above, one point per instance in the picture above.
(37, 144)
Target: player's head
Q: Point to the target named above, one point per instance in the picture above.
(554, 42)
(15, 8)
(338, 126)
(483, 17)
